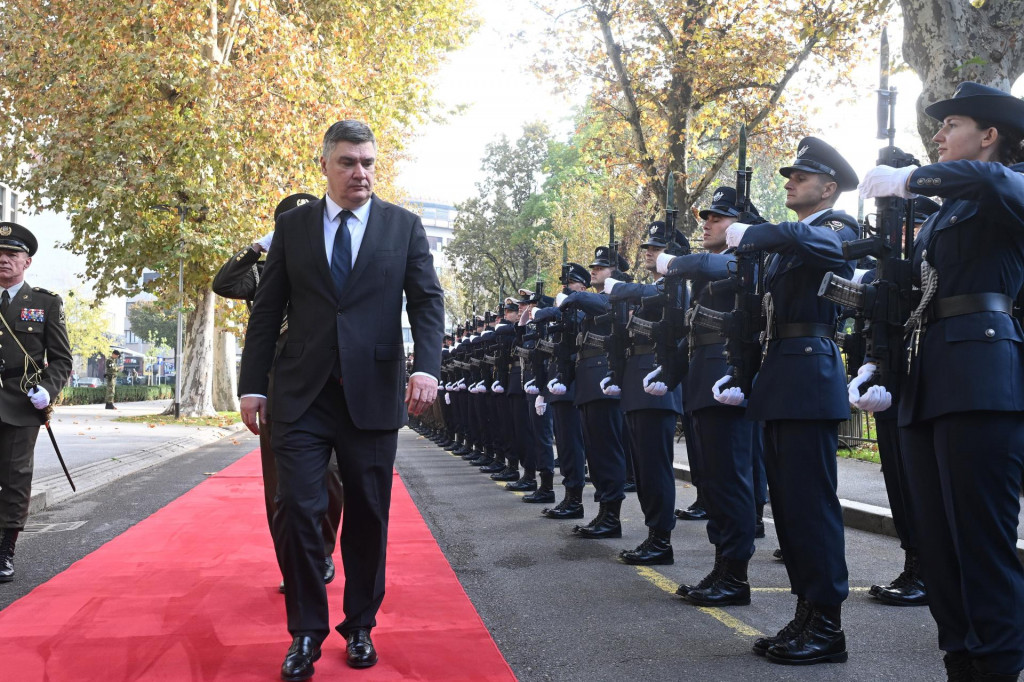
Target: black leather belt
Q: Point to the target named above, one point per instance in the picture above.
(642, 349)
(590, 353)
(709, 339)
(793, 330)
(965, 304)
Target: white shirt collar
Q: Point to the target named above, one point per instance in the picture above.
(362, 213)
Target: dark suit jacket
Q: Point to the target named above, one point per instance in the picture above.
(360, 330)
(36, 317)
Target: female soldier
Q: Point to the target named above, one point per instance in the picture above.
(960, 413)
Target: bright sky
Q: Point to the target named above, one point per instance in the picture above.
(491, 77)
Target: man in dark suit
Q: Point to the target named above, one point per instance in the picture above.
(340, 266)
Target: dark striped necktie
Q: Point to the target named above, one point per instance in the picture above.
(341, 255)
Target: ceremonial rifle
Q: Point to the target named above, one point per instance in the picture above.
(618, 340)
(884, 304)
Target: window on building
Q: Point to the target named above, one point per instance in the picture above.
(14, 207)
(3, 202)
(435, 243)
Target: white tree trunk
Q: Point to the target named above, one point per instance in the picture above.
(950, 41)
(197, 373)
(225, 377)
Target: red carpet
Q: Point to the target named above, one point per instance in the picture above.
(191, 594)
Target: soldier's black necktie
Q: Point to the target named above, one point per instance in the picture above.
(341, 255)
(5, 301)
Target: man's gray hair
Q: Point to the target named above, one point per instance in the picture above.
(348, 130)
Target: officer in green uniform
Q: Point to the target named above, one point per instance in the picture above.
(110, 374)
(35, 361)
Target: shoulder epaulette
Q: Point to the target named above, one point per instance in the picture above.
(45, 291)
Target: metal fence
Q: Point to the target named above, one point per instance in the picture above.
(857, 430)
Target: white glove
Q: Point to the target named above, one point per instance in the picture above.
(609, 388)
(875, 399)
(655, 387)
(555, 387)
(461, 386)
(540, 406)
(560, 299)
(447, 399)
(730, 396)
(530, 388)
(734, 234)
(525, 317)
(475, 388)
(886, 181)
(39, 396)
(664, 260)
(497, 387)
(609, 284)
(265, 241)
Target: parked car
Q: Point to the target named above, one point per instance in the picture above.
(89, 382)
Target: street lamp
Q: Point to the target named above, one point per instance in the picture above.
(182, 212)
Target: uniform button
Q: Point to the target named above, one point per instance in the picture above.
(808, 349)
(990, 333)
(30, 328)
(952, 220)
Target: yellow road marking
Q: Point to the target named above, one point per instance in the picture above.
(721, 616)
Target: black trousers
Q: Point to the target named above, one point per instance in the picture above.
(365, 462)
(602, 435)
(652, 435)
(725, 437)
(964, 472)
(800, 460)
(543, 434)
(569, 435)
(894, 472)
(17, 458)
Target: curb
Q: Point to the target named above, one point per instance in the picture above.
(54, 489)
(857, 515)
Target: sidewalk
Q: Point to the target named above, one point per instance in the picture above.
(99, 450)
(861, 494)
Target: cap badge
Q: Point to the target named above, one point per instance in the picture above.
(300, 202)
(801, 151)
(956, 93)
(654, 229)
(718, 196)
(5, 231)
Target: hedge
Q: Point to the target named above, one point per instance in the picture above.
(96, 396)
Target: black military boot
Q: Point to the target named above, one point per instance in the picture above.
(656, 550)
(629, 487)
(788, 631)
(509, 473)
(958, 667)
(571, 506)
(684, 589)
(451, 444)
(759, 523)
(608, 527)
(8, 536)
(494, 467)
(821, 641)
(526, 483)
(110, 406)
(474, 452)
(486, 457)
(695, 512)
(602, 509)
(729, 589)
(463, 447)
(982, 676)
(907, 589)
(546, 491)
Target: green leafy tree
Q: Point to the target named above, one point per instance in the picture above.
(152, 322)
(213, 110)
(88, 326)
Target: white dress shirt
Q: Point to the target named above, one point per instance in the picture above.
(356, 226)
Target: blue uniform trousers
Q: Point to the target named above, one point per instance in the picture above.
(728, 484)
(602, 429)
(964, 473)
(895, 474)
(569, 435)
(800, 460)
(544, 453)
(651, 433)
(760, 478)
(522, 440)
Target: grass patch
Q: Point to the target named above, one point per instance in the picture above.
(223, 419)
(867, 452)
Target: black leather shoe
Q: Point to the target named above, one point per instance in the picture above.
(629, 487)
(656, 550)
(328, 570)
(788, 631)
(298, 662)
(540, 496)
(506, 474)
(360, 651)
(492, 468)
(907, 589)
(694, 512)
(8, 538)
(566, 509)
(727, 590)
(821, 641)
(777, 554)
(524, 484)
(958, 667)
(605, 525)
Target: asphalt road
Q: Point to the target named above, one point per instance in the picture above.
(559, 608)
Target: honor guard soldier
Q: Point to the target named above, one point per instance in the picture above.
(35, 361)
(800, 395)
(504, 361)
(540, 419)
(238, 279)
(110, 371)
(651, 418)
(961, 408)
(602, 418)
(559, 395)
(723, 444)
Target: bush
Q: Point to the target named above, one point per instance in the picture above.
(95, 396)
